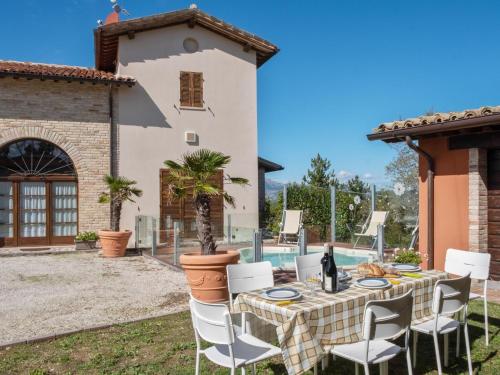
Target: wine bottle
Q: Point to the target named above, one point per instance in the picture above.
(324, 261)
(331, 275)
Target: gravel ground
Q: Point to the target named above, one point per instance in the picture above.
(47, 295)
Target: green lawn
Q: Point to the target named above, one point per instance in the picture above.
(166, 346)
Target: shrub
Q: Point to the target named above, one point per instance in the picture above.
(408, 256)
(87, 236)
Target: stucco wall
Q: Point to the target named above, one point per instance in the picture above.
(451, 199)
(151, 125)
(73, 116)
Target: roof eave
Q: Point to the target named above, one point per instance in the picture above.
(52, 77)
(269, 166)
(435, 129)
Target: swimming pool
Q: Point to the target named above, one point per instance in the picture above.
(284, 257)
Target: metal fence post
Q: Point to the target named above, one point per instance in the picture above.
(380, 242)
(153, 239)
(333, 208)
(303, 241)
(177, 231)
(229, 229)
(373, 196)
(137, 231)
(257, 245)
(285, 196)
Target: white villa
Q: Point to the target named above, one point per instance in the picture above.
(163, 85)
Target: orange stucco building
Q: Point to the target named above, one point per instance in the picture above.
(459, 181)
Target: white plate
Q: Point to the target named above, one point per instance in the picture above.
(281, 294)
(406, 267)
(372, 283)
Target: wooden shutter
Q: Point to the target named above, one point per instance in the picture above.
(197, 85)
(191, 89)
(185, 91)
(184, 209)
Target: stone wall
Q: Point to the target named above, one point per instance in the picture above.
(478, 200)
(73, 116)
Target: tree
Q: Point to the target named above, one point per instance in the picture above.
(404, 168)
(320, 175)
(121, 190)
(193, 176)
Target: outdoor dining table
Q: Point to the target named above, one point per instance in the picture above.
(309, 327)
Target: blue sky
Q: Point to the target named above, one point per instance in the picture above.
(344, 66)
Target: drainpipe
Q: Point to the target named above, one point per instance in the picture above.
(111, 131)
(430, 199)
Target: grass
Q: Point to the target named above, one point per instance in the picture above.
(166, 346)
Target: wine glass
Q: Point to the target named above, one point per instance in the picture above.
(312, 281)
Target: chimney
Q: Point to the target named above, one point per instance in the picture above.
(113, 17)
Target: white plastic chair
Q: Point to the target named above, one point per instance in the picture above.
(212, 323)
(245, 277)
(383, 320)
(460, 262)
(370, 228)
(291, 224)
(450, 297)
(306, 264)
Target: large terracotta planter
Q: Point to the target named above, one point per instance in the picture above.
(114, 244)
(206, 274)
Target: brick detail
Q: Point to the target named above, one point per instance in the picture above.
(478, 200)
(73, 116)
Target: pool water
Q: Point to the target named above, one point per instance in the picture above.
(286, 259)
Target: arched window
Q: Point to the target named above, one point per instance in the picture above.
(34, 157)
(38, 194)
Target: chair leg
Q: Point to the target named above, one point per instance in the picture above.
(367, 369)
(486, 332)
(415, 340)
(356, 368)
(446, 349)
(324, 362)
(383, 368)
(254, 369)
(197, 366)
(467, 347)
(457, 350)
(438, 357)
(408, 361)
(243, 371)
(315, 371)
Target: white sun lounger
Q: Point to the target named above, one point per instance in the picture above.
(369, 229)
(290, 226)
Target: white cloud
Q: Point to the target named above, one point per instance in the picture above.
(344, 175)
(367, 176)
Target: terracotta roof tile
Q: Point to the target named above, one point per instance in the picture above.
(436, 119)
(50, 71)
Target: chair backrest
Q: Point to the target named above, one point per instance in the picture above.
(451, 295)
(461, 262)
(245, 277)
(212, 322)
(292, 221)
(305, 264)
(377, 218)
(387, 319)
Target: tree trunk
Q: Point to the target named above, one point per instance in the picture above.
(116, 211)
(204, 225)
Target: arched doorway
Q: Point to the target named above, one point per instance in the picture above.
(38, 194)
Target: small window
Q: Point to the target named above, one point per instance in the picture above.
(191, 89)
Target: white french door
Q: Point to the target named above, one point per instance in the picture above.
(33, 210)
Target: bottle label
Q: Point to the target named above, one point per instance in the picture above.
(328, 284)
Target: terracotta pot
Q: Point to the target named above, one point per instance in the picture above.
(206, 274)
(114, 244)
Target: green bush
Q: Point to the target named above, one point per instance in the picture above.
(87, 236)
(408, 256)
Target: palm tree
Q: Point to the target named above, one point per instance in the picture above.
(192, 176)
(121, 190)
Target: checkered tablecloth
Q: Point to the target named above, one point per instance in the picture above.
(308, 328)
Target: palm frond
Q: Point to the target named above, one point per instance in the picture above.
(229, 199)
(237, 180)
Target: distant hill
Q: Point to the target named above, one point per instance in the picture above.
(273, 188)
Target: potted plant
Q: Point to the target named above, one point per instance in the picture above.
(205, 270)
(86, 240)
(121, 189)
(408, 257)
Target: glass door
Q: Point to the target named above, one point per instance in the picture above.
(33, 213)
(64, 210)
(6, 213)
